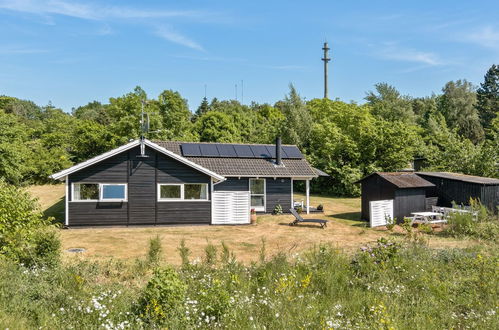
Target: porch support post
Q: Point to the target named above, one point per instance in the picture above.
(292, 197)
(66, 203)
(307, 184)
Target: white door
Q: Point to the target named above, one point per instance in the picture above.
(231, 207)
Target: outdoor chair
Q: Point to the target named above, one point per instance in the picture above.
(299, 219)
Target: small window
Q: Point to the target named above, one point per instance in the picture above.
(170, 191)
(113, 192)
(86, 192)
(196, 191)
(96, 192)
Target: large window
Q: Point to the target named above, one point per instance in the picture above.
(257, 190)
(104, 192)
(188, 191)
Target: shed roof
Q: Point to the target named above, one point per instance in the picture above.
(402, 179)
(246, 167)
(462, 177)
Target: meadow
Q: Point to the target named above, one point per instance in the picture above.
(399, 279)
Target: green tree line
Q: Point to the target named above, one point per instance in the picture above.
(456, 130)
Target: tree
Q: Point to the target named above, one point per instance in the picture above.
(457, 104)
(216, 126)
(488, 97)
(94, 111)
(175, 115)
(13, 150)
(388, 104)
(297, 124)
(203, 108)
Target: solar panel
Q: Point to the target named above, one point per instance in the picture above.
(209, 150)
(292, 152)
(226, 150)
(260, 151)
(271, 151)
(243, 151)
(191, 149)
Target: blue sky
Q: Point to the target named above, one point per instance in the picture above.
(73, 52)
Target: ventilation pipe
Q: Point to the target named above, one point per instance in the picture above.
(278, 159)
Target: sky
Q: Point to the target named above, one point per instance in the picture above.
(70, 53)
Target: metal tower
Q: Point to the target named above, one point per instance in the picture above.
(325, 59)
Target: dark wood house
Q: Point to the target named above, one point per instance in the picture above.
(407, 190)
(152, 183)
(459, 188)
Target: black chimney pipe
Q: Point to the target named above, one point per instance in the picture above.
(278, 151)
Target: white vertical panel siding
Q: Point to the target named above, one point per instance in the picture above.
(380, 211)
(231, 207)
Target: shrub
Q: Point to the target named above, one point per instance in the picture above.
(155, 249)
(210, 254)
(390, 223)
(22, 228)
(163, 296)
(45, 249)
(184, 252)
(277, 210)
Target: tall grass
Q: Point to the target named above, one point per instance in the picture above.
(384, 285)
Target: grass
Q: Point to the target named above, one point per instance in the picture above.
(345, 231)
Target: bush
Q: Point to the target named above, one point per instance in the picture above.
(163, 296)
(25, 236)
(155, 249)
(277, 210)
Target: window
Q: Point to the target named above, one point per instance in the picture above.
(113, 192)
(257, 191)
(99, 192)
(196, 191)
(188, 191)
(170, 191)
(86, 192)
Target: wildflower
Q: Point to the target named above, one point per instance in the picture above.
(276, 314)
(251, 318)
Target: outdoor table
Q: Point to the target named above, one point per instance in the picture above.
(428, 217)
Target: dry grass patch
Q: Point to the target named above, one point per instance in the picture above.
(344, 231)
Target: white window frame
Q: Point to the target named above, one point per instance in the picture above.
(259, 208)
(73, 184)
(101, 192)
(182, 193)
(170, 199)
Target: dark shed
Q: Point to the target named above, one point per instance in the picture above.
(407, 190)
(459, 188)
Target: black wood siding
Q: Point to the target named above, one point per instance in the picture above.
(374, 188)
(233, 184)
(278, 192)
(142, 207)
(460, 192)
(408, 200)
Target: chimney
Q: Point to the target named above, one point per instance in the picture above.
(278, 151)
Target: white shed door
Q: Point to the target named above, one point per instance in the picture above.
(379, 211)
(231, 207)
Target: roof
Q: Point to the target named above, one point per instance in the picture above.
(130, 145)
(217, 167)
(462, 177)
(320, 173)
(402, 179)
(246, 167)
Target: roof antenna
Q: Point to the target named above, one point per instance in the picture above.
(144, 128)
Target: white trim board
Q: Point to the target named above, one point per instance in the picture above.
(128, 146)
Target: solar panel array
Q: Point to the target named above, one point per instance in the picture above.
(238, 151)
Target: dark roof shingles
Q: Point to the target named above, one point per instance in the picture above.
(246, 166)
(462, 177)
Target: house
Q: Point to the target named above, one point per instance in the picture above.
(149, 183)
(406, 189)
(459, 188)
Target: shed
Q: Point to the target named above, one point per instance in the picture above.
(459, 188)
(407, 190)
